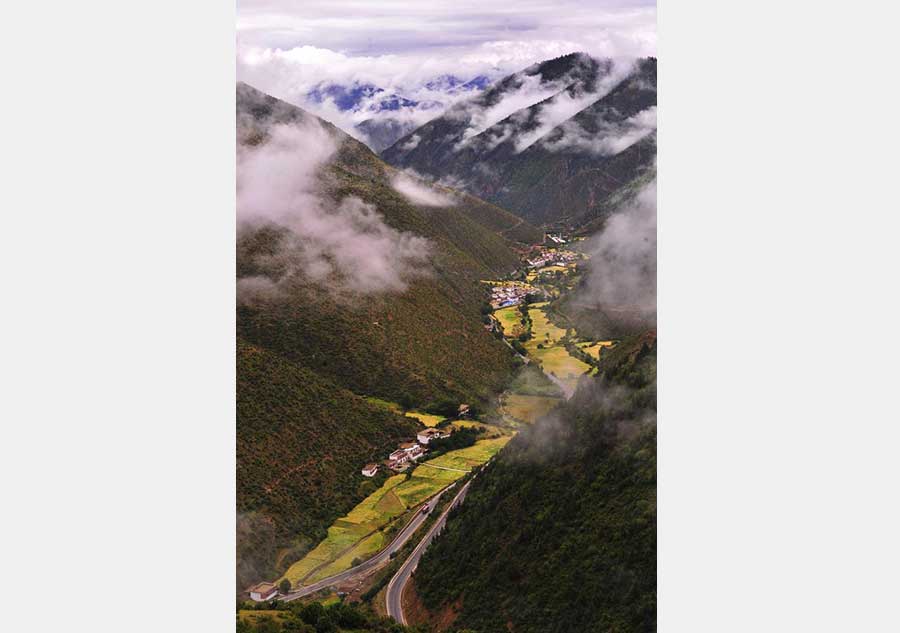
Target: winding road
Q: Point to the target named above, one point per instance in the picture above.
(394, 594)
(376, 560)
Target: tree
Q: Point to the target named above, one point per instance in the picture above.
(284, 586)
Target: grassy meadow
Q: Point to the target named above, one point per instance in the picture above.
(527, 408)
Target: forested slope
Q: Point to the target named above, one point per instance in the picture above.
(559, 533)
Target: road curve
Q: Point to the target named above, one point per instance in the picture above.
(394, 594)
(379, 558)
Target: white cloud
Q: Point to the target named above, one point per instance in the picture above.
(345, 247)
(611, 139)
(623, 257)
(285, 50)
(417, 192)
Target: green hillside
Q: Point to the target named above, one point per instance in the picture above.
(301, 443)
(302, 434)
(417, 347)
(559, 533)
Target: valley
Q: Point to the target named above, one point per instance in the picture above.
(408, 342)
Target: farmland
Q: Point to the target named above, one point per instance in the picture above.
(593, 348)
(511, 320)
(428, 419)
(527, 408)
(552, 354)
(363, 531)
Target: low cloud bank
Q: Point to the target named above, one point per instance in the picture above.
(610, 139)
(417, 192)
(345, 247)
(623, 257)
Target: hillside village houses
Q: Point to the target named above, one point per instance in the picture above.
(263, 591)
(406, 453)
(370, 470)
(431, 434)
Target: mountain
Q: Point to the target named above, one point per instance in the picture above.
(558, 534)
(310, 343)
(551, 143)
(381, 133)
(363, 97)
(390, 114)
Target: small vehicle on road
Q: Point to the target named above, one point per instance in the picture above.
(425, 509)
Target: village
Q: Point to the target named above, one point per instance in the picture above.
(409, 452)
(541, 256)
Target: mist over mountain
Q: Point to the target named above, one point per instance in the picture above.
(551, 143)
(379, 116)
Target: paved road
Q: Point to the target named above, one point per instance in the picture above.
(394, 594)
(376, 560)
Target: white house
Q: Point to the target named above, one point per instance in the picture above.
(370, 470)
(431, 434)
(399, 456)
(413, 450)
(263, 591)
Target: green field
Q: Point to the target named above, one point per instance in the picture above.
(252, 615)
(524, 408)
(511, 320)
(387, 404)
(359, 535)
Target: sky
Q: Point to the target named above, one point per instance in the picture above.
(286, 47)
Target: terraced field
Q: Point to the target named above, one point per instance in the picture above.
(363, 533)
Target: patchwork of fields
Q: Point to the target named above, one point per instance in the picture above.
(552, 354)
(362, 532)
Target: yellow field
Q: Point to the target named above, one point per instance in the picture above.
(552, 269)
(542, 330)
(358, 534)
(527, 408)
(426, 418)
(552, 355)
(594, 348)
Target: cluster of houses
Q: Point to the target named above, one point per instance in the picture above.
(547, 257)
(408, 452)
(510, 294)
